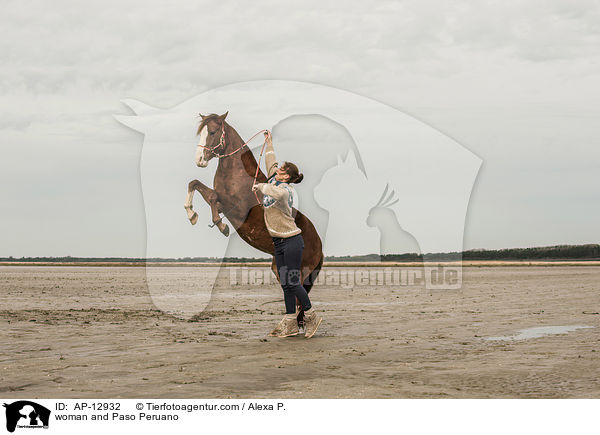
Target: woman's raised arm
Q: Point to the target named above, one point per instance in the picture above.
(270, 159)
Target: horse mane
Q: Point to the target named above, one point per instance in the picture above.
(205, 119)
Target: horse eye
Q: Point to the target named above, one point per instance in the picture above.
(211, 133)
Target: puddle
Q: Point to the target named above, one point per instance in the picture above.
(541, 331)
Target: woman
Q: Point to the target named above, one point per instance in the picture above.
(278, 201)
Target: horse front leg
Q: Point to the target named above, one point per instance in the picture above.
(191, 214)
(212, 199)
(216, 208)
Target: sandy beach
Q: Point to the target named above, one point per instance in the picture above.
(94, 332)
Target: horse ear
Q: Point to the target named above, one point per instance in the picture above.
(140, 108)
(202, 116)
(137, 123)
(143, 112)
(223, 116)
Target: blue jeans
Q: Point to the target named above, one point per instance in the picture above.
(288, 257)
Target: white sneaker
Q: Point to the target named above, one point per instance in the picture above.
(311, 323)
(286, 328)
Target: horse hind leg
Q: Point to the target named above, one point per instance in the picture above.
(274, 268)
(310, 280)
(308, 283)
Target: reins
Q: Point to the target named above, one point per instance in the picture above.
(258, 164)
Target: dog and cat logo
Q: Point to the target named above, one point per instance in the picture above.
(26, 414)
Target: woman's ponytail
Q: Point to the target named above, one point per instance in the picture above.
(292, 171)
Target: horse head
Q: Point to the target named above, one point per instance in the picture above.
(212, 138)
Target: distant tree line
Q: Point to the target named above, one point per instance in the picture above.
(561, 252)
(69, 259)
(587, 252)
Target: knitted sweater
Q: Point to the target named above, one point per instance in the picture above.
(278, 200)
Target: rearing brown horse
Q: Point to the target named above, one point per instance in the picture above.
(232, 195)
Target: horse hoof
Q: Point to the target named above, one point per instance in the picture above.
(194, 218)
(225, 231)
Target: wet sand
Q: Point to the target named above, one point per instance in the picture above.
(93, 332)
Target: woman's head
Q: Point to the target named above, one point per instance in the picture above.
(289, 173)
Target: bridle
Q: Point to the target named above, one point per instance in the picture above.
(222, 144)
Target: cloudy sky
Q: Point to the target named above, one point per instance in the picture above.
(514, 82)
